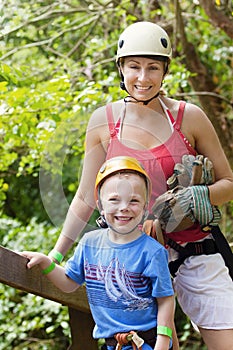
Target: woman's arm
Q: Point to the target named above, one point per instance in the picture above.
(83, 204)
(201, 134)
(166, 307)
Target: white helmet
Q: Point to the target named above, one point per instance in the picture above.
(144, 39)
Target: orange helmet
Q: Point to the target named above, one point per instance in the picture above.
(120, 164)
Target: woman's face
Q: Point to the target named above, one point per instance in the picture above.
(142, 76)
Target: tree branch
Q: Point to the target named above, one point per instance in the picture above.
(51, 40)
(205, 93)
(219, 16)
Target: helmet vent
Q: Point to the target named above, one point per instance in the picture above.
(164, 42)
(121, 43)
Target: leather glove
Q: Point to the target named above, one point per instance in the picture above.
(192, 171)
(179, 208)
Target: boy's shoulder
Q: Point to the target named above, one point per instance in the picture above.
(153, 242)
(93, 235)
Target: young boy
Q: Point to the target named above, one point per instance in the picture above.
(126, 272)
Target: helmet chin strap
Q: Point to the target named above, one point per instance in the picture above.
(129, 97)
(101, 222)
(121, 233)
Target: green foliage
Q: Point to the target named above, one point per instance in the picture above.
(177, 78)
(30, 322)
(214, 48)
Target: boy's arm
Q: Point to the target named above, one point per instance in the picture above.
(165, 318)
(57, 275)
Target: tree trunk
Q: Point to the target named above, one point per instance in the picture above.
(202, 82)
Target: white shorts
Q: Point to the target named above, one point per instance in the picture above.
(204, 291)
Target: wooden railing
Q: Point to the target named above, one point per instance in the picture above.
(13, 272)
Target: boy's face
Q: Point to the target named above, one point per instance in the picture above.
(123, 199)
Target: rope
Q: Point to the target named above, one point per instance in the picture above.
(125, 338)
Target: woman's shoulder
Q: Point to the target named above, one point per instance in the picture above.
(173, 105)
(193, 115)
(193, 108)
(98, 114)
(98, 117)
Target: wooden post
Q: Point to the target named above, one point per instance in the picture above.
(81, 325)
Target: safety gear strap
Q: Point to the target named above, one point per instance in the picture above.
(218, 244)
(223, 248)
(206, 247)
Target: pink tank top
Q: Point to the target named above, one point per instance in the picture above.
(158, 162)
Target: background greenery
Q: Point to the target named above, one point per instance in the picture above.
(57, 65)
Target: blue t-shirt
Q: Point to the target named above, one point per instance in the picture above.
(122, 281)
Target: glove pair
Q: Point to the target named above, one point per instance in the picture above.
(181, 207)
(192, 171)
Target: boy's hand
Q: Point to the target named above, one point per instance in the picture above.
(36, 259)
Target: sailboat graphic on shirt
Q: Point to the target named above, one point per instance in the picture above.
(118, 285)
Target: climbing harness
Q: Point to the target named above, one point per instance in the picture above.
(124, 338)
(206, 247)
(136, 339)
(218, 244)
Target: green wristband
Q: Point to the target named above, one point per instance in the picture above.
(163, 330)
(56, 255)
(49, 269)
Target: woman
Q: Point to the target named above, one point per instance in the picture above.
(158, 131)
